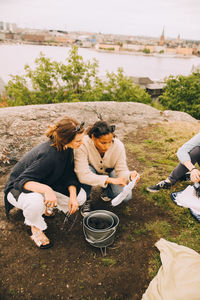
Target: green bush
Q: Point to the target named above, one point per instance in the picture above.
(182, 93)
(54, 82)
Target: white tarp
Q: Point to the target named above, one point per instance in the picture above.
(188, 198)
(179, 276)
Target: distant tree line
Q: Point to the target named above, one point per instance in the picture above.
(76, 80)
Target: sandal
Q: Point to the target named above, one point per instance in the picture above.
(40, 239)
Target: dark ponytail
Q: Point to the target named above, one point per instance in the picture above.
(100, 128)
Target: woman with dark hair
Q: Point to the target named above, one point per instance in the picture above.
(44, 178)
(101, 161)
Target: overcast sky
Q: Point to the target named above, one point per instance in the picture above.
(131, 17)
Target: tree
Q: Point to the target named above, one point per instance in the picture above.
(76, 80)
(78, 76)
(182, 93)
(18, 92)
(118, 87)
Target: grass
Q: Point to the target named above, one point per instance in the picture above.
(137, 233)
(108, 261)
(156, 157)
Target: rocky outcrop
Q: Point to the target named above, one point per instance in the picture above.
(23, 127)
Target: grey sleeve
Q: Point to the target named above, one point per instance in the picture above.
(183, 152)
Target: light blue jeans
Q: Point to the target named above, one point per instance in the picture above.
(112, 190)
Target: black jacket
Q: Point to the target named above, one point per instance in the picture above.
(43, 164)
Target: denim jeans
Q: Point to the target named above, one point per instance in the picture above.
(112, 190)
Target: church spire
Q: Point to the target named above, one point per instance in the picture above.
(162, 38)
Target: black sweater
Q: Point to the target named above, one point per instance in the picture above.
(44, 164)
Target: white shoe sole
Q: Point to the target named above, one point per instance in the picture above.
(84, 214)
(105, 199)
(152, 191)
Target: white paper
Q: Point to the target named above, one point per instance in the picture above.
(188, 198)
(126, 190)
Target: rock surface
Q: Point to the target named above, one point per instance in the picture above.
(23, 127)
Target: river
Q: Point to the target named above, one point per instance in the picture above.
(14, 57)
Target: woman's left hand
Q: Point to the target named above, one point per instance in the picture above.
(133, 175)
(73, 205)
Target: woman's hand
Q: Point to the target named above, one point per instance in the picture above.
(73, 204)
(50, 199)
(133, 175)
(119, 180)
(195, 175)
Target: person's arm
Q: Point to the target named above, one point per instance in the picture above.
(119, 180)
(121, 168)
(194, 172)
(49, 195)
(183, 154)
(37, 171)
(73, 202)
(82, 169)
(70, 178)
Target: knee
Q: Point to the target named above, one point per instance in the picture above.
(34, 202)
(195, 154)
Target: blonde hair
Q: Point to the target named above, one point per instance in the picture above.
(63, 132)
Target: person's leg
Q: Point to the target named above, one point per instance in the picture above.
(177, 174)
(87, 187)
(33, 207)
(86, 208)
(181, 170)
(114, 190)
(63, 200)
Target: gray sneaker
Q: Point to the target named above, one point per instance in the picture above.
(86, 208)
(161, 185)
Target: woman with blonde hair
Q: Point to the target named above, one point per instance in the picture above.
(44, 178)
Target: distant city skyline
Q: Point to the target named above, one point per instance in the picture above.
(127, 17)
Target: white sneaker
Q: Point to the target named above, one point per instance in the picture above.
(86, 208)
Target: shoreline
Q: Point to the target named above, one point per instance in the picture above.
(122, 52)
(135, 64)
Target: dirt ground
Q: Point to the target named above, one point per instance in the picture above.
(73, 269)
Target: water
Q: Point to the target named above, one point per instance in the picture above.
(14, 57)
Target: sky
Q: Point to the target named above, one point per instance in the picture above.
(129, 17)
